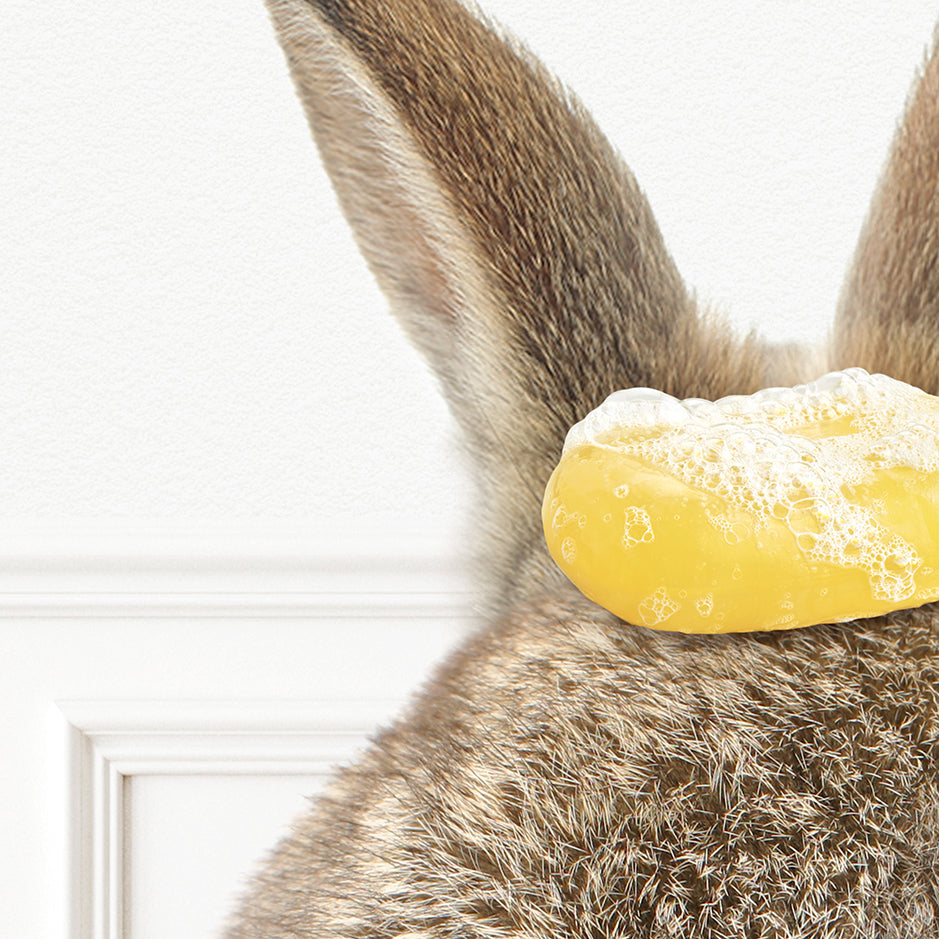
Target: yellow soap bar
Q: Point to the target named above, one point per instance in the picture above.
(786, 508)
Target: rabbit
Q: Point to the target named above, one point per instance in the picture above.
(566, 773)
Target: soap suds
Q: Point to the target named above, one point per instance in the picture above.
(784, 454)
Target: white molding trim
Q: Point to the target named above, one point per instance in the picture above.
(283, 570)
(103, 743)
(404, 604)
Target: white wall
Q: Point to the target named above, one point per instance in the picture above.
(186, 330)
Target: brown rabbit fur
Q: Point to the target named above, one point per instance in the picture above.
(567, 773)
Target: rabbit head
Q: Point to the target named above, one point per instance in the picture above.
(567, 773)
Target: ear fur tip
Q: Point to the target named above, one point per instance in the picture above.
(330, 11)
(284, 13)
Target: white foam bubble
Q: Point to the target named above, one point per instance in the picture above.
(640, 406)
(657, 607)
(638, 526)
(569, 550)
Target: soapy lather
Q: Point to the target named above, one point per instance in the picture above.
(786, 508)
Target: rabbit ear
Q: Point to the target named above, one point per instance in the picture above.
(513, 244)
(405, 227)
(888, 316)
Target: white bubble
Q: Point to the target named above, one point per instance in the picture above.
(638, 526)
(657, 607)
(569, 550)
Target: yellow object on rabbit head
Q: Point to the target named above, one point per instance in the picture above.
(786, 508)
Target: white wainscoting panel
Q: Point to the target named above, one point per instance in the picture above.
(171, 695)
(119, 751)
(193, 841)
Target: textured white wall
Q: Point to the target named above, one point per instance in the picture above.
(186, 329)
